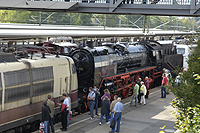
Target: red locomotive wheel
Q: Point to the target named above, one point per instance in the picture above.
(125, 92)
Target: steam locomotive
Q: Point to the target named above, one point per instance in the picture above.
(110, 66)
(114, 66)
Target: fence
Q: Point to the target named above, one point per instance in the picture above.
(163, 2)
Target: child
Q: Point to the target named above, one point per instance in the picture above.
(41, 128)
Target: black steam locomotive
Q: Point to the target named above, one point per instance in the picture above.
(93, 64)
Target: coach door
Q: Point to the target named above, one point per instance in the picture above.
(64, 80)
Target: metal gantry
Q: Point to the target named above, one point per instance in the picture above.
(132, 7)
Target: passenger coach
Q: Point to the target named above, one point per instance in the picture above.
(25, 83)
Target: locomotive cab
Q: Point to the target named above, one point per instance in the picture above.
(155, 54)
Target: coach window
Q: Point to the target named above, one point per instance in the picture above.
(66, 50)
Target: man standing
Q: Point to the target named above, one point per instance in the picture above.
(91, 98)
(139, 95)
(147, 87)
(46, 117)
(69, 108)
(97, 92)
(164, 83)
(51, 105)
(135, 94)
(168, 75)
(64, 113)
(112, 105)
(118, 110)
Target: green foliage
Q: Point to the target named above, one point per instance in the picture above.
(108, 20)
(188, 96)
(82, 19)
(112, 20)
(187, 23)
(187, 121)
(10, 16)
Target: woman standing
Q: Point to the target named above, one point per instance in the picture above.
(106, 93)
(105, 110)
(143, 92)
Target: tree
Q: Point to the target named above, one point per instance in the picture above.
(187, 94)
(82, 19)
(13, 16)
(112, 20)
(187, 23)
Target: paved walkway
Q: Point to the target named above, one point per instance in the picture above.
(141, 119)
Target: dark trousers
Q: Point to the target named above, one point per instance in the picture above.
(102, 118)
(64, 119)
(163, 92)
(147, 94)
(46, 127)
(52, 125)
(139, 98)
(91, 104)
(96, 105)
(117, 119)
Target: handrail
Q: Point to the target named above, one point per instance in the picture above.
(159, 2)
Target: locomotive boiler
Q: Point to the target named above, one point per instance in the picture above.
(115, 66)
(93, 63)
(25, 83)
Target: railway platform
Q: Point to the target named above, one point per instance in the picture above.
(150, 118)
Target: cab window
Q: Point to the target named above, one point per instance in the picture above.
(181, 50)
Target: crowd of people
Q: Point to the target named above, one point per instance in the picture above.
(110, 109)
(140, 91)
(48, 113)
(114, 109)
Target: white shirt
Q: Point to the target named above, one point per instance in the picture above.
(66, 102)
(69, 103)
(91, 94)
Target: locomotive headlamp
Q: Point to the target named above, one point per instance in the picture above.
(108, 84)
